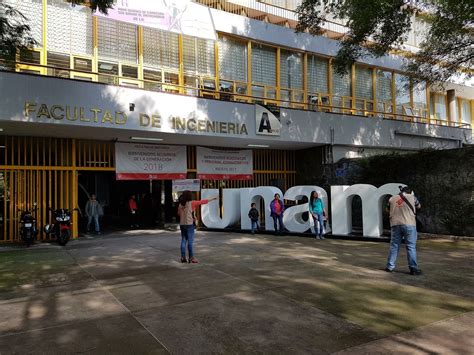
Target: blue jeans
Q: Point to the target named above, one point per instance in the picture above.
(278, 218)
(187, 236)
(397, 232)
(96, 222)
(318, 220)
(255, 225)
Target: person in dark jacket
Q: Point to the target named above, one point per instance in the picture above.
(277, 207)
(254, 218)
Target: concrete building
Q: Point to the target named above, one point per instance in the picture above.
(219, 74)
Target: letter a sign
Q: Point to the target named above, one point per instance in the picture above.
(266, 122)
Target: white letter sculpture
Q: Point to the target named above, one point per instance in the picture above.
(231, 207)
(372, 197)
(293, 216)
(249, 195)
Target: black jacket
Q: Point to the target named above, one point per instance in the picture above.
(253, 214)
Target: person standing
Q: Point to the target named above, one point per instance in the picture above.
(254, 217)
(133, 210)
(187, 221)
(93, 212)
(402, 208)
(317, 211)
(277, 208)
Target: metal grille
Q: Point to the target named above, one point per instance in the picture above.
(160, 49)
(384, 86)
(189, 54)
(69, 28)
(364, 85)
(291, 70)
(33, 11)
(117, 41)
(232, 59)
(206, 57)
(263, 65)
(318, 74)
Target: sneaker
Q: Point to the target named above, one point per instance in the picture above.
(183, 259)
(321, 237)
(415, 272)
(193, 260)
(388, 270)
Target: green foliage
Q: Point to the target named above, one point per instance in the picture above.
(14, 33)
(378, 26)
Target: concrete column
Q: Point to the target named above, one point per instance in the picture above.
(451, 96)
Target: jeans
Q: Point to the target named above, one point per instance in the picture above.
(318, 222)
(279, 218)
(96, 222)
(255, 225)
(187, 236)
(397, 232)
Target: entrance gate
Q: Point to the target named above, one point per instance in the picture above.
(43, 172)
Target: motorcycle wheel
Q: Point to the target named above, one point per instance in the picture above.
(64, 237)
(27, 237)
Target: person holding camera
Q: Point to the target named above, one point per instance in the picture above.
(402, 209)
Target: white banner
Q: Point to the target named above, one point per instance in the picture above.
(186, 185)
(214, 164)
(138, 161)
(182, 16)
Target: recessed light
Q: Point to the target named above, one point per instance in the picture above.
(146, 139)
(258, 145)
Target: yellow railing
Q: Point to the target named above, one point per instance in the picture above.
(262, 94)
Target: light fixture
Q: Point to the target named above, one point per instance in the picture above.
(258, 145)
(146, 139)
(1, 129)
(2, 147)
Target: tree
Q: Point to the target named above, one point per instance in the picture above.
(15, 32)
(378, 27)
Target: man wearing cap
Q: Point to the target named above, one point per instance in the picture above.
(402, 209)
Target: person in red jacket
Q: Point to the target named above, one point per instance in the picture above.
(133, 210)
(187, 221)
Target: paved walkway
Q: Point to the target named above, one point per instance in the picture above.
(128, 293)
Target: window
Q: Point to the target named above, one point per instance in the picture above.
(291, 70)
(117, 41)
(263, 65)
(198, 56)
(30, 57)
(419, 99)
(384, 86)
(342, 83)
(33, 12)
(402, 98)
(59, 61)
(160, 49)
(465, 111)
(438, 106)
(232, 59)
(109, 72)
(69, 28)
(317, 74)
(129, 72)
(83, 64)
(364, 84)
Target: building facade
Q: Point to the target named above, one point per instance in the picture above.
(215, 74)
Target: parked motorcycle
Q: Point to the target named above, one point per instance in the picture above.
(61, 226)
(28, 230)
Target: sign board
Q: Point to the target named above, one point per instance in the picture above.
(137, 161)
(186, 185)
(267, 121)
(216, 164)
(182, 16)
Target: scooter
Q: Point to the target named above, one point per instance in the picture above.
(61, 226)
(28, 230)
